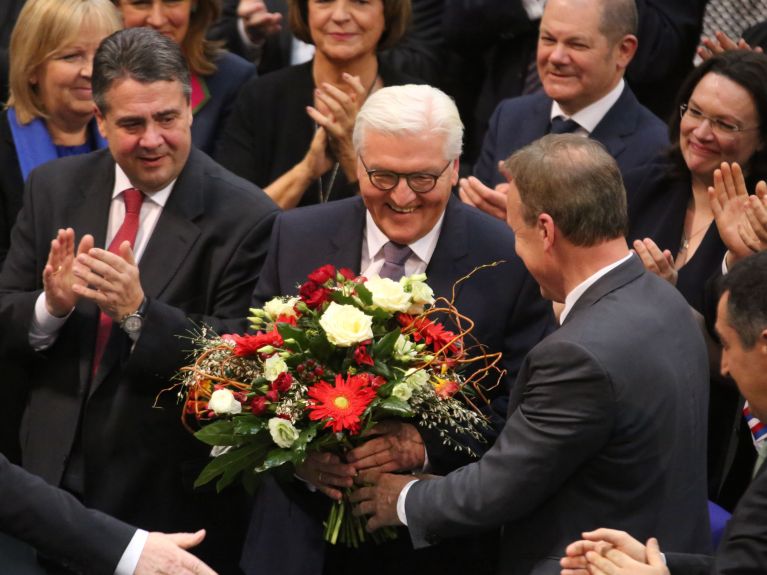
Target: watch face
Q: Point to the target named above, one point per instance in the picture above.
(132, 323)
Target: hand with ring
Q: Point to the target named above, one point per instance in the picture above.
(327, 473)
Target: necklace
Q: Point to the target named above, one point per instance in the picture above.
(685, 243)
(324, 195)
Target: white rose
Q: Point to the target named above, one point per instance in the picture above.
(403, 346)
(273, 367)
(278, 306)
(417, 378)
(402, 391)
(222, 401)
(387, 294)
(346, 325)
(421, 293)
(283, 433)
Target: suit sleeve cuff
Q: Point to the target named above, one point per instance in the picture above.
(132, 553)
(401, 502)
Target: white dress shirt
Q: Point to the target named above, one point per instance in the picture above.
(570, 300)
(45, 327)
(589, 117)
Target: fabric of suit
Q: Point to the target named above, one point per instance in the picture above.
(223, 85)
(199, 267)
(629, 131)
(606, 424)
(743, 550)
(504, 302)
(269, 130)
(54, 522)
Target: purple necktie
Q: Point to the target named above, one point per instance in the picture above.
(395, 256)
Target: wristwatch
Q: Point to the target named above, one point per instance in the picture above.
(133, 322)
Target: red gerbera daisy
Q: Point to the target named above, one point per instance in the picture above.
(341, 404)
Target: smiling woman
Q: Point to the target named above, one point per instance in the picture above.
(217, 75)
(291, 130)
(50, 106)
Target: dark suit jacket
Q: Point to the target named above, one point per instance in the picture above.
(224, 85)
(200, 266)
(743, 550)
(606, 424)
(629, 131)
(504, 302)
(57, 524)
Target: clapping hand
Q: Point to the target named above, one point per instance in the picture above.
(753, 231)
(661, 263)
(58, 277)
(259, 22)
(611, 552)
(722, 43)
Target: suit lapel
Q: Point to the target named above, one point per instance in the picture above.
(619, 122)
(448, 262)
(345, 246)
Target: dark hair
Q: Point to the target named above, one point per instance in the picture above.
(749, 71)
(142, 54)
(747, 306)
(619, 18)
(576, 182)
(396, 20)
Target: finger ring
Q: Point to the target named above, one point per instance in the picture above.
(58, 269)
(319, 477)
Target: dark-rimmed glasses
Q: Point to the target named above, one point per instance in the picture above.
(419, 182)
(721, 127)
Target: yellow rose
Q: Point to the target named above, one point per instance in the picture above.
(345, 325)
(387, 294)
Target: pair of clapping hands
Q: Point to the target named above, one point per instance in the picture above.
(611, 552)
(392, 446)
(111, 280)
(740, 218)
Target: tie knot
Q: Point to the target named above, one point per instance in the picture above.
(561, 126)
(133, 199)
(395, 253)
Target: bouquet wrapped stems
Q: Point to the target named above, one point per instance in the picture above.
(343, 527)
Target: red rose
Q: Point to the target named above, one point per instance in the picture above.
(258, 405)
(272, 395)
(313, 295)
(322, 274)
(361, 356)
(283, 382)
(347, 273)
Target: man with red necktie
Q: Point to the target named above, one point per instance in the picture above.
(99, 326)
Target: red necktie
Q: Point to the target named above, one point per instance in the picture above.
(133, 199)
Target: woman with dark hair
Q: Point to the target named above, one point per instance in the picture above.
(721, 118)
(217, 75)
(290, 132)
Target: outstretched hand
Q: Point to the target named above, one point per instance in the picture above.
(164, 554)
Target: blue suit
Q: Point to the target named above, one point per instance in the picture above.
(504, 302)
(629, 131)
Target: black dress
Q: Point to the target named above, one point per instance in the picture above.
(269, 131)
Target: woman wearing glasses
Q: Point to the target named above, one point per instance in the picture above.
(723, 105)
(290, 131)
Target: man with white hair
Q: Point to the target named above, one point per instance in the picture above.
(406, 220)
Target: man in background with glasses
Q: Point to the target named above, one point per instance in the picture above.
(406, 221)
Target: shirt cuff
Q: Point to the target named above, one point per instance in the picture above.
(724, 264)
(401, 502)
(132, 553)
(45, 327)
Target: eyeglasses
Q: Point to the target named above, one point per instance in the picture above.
(720, 127)
(419, 182)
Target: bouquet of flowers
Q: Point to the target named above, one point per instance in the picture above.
(324, 367)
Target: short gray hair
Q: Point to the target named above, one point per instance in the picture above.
(141, 54)
(619, 18)
(576, 182)
(412, 109)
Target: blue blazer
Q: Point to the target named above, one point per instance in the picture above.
(629, 131)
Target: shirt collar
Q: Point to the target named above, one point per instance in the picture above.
(423, 248)
(590, 116)
(581, 288)
(122, 183)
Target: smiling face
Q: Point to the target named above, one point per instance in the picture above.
(148, 127)
(403, 215)
(63, 81)
(344, 30)
(705, 149)
(169, 17)
(577, 64)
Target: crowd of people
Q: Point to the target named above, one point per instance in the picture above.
(169, 164)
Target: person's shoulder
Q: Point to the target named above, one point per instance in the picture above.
(236, 192)
(492, 235)
(61, 169)
(322, 217)
(228, 62)
(278, 85)
(523, 104)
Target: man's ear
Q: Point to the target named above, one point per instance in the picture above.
(100, 121)
(626, 48)
(546, 230)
